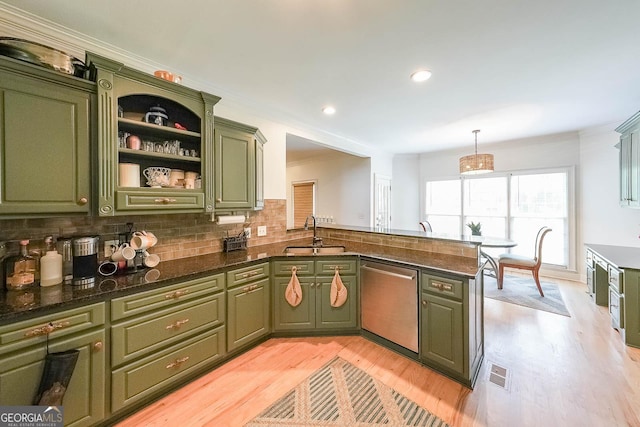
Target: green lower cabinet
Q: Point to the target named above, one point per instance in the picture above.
(84, 400)
(631, 305)
(315, 310)
(248, 313)
(452, 325)
(328, 317)
(156, 373)
(441, 332)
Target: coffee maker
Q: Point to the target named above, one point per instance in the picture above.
(85, 260)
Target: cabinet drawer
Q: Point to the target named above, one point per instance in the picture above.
(247, 274)
(305, 267)
(136, 381)
(165, 296)
(616, 279)
(589, 258)
(18, 335)
(141, 335)
(150, 200)
(615, 309)
(442, 286)
(345, 266)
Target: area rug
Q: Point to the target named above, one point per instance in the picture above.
(339, 394)
(523, 291)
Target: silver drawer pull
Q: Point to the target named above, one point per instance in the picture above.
(165, 200)
(250, 273)
(176, 294)
(46, 329)
(177, 324)
(176, 363)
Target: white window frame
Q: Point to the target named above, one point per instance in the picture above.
(572, 237)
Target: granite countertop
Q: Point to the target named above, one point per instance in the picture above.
(19, 305)
(621, 256)
(461, 238)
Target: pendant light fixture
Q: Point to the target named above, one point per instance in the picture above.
(476, 163)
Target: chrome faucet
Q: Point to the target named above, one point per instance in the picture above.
(316, 240)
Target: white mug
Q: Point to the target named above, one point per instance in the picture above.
(143, 240)
(123, 253)
(150, 260)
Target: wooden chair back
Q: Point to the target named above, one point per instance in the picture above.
(539, 239)
(425, 226)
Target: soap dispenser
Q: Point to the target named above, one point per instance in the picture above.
(50, 265)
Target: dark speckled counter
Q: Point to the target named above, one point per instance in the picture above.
(19, 305)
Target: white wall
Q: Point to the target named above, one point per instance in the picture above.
(405, 192)
(343, 183)
(603, 220)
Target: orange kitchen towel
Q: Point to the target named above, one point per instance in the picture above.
(293, 293)
(338, 292)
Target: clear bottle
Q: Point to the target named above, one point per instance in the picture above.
(21, 269)
(50, 265)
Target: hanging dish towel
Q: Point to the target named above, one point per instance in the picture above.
(338, 292)
(293, 293)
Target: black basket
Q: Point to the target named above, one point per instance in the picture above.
(235, 243)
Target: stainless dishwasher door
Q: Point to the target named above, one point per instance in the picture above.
(390, 303)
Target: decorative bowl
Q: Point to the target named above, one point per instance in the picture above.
(157, 176)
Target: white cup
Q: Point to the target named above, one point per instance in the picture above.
(150, 260)
(123, 253)
(143, 240)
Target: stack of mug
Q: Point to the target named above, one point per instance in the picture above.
(132, 254)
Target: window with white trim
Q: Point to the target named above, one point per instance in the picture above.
(513, 205)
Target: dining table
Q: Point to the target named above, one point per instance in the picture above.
(492, 242)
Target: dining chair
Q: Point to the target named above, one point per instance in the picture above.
(425, 226)
(523, 262)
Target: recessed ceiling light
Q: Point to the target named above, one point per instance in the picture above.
(420, 75)
(329, 110)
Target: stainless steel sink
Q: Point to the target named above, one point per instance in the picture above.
(314, 250)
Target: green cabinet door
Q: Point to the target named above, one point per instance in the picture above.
(631, 304)
(302, 316)
(84, 400)
(44, 144)
(248, 313)
(234, 153)
(442, 333)
(328, 317)
(629, 156)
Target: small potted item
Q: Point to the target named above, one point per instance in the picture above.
(157, 115)
(475, 228)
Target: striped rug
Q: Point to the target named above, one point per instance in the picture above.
(339, 394)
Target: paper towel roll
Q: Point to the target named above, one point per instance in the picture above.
(231, 219)
(129, 175)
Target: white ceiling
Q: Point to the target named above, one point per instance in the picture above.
(512, 68)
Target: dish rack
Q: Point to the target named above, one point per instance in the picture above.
(235, 243)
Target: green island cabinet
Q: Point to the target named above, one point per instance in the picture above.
(239, 166)
(182, 141)
(629, 147)
(23, 347)
(248, 305)
(164, 335)
(315, 311)
(45, 141)
(451, 325)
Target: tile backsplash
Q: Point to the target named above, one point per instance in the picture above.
(179, 235)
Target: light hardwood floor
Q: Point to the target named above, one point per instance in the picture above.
(563, 371)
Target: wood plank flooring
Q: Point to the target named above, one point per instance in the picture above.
(563, 371)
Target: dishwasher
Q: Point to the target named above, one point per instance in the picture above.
(389, 303)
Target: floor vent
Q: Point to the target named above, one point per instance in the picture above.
(499, 376)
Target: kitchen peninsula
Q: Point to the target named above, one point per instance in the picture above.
(165, 326)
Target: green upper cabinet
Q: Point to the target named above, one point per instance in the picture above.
(239, 180)
(44, 141)
(629, 147)
(174, 126)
